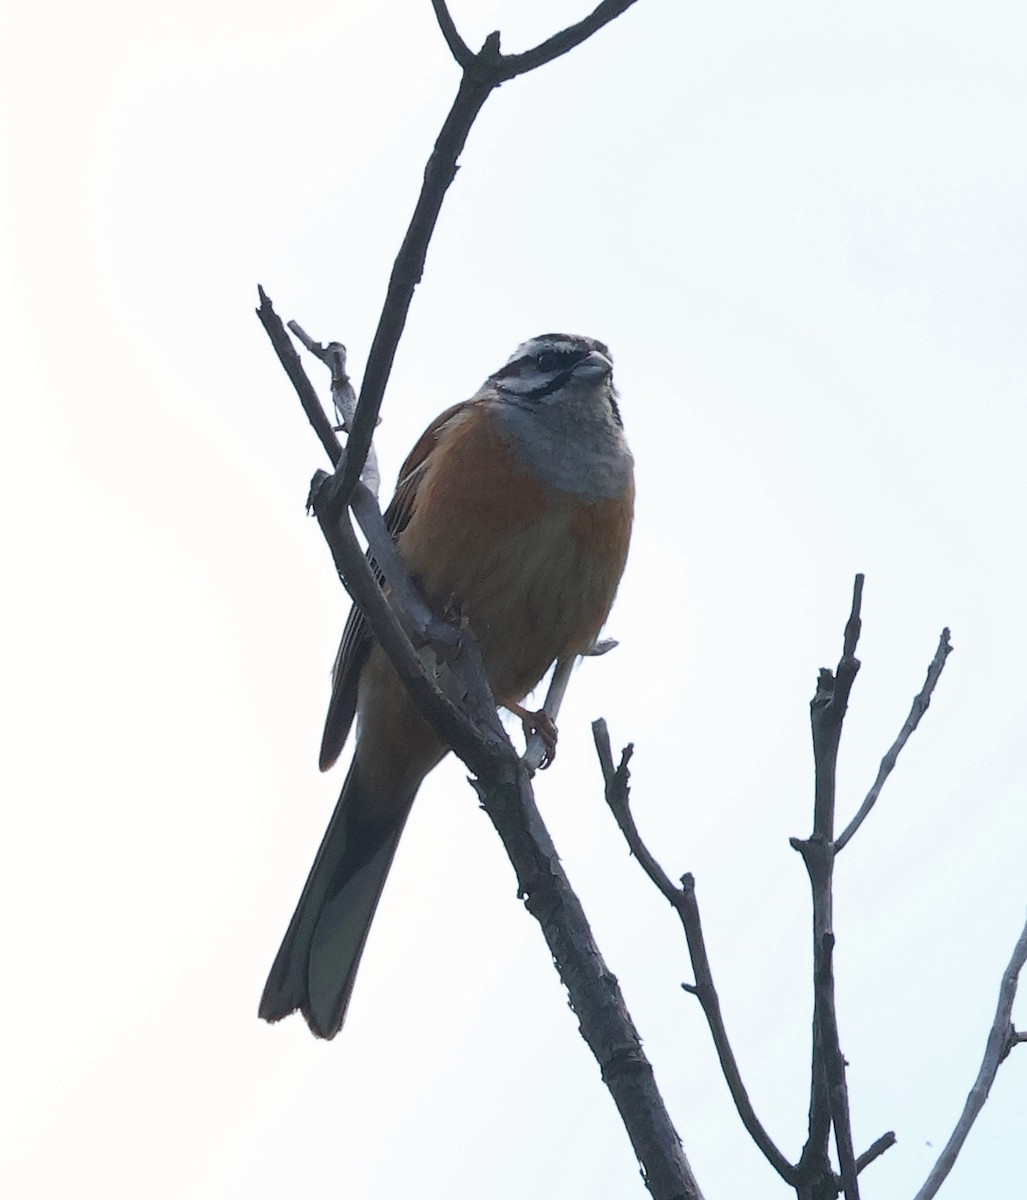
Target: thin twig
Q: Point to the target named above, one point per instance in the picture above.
(853, 626)
(460, 50)
(553, 47)
(419, 622)
(482, 74)
(290, 360)
(1001, 1039)
(439, 173)
(411, 622)
(921, 702)
(875, 1150)
(344, 398)
(686, 906)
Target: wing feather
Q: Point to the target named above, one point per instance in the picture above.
(357, 638)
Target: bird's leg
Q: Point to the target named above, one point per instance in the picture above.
(539, 722)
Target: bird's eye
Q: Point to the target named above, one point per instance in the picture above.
(555, 360)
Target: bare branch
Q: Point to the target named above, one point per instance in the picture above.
(560, 43)
(460, 50)
(921, 702)
(290, 360)
(462, 713)
(593, 992)
(853, 626)
(482, 74)
(684, 903)
(875, 1150)
(344, 398)
(309, 343)
(1002, 1038)
(827, 712)
(439, 173)
(828, 1098)
(421, 624)
(470, 738)
(618, 798)
(834, 1069)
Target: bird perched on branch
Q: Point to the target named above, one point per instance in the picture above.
(513, 509)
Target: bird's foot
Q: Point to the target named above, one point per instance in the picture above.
(539, 722)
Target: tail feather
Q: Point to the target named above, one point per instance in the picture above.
(317, 963)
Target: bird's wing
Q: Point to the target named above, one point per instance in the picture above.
(357, 638)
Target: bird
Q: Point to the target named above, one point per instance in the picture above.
(514, 512)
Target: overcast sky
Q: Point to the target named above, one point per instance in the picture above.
(800, 228)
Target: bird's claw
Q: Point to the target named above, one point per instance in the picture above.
(539, 722)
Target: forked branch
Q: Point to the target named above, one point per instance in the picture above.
(812, 1176)
(482, 74)
(808, 1178)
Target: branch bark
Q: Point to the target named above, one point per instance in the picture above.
(294, 369)
(460, 50)
(1001, 1040)
(682, 900)
(829, 1105)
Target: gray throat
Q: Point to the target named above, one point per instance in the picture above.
(571, 442)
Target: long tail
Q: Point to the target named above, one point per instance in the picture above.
(317, 964)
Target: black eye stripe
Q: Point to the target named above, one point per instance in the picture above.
(544, 360)
(555, 360)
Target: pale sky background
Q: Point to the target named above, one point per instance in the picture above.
(800, 226)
